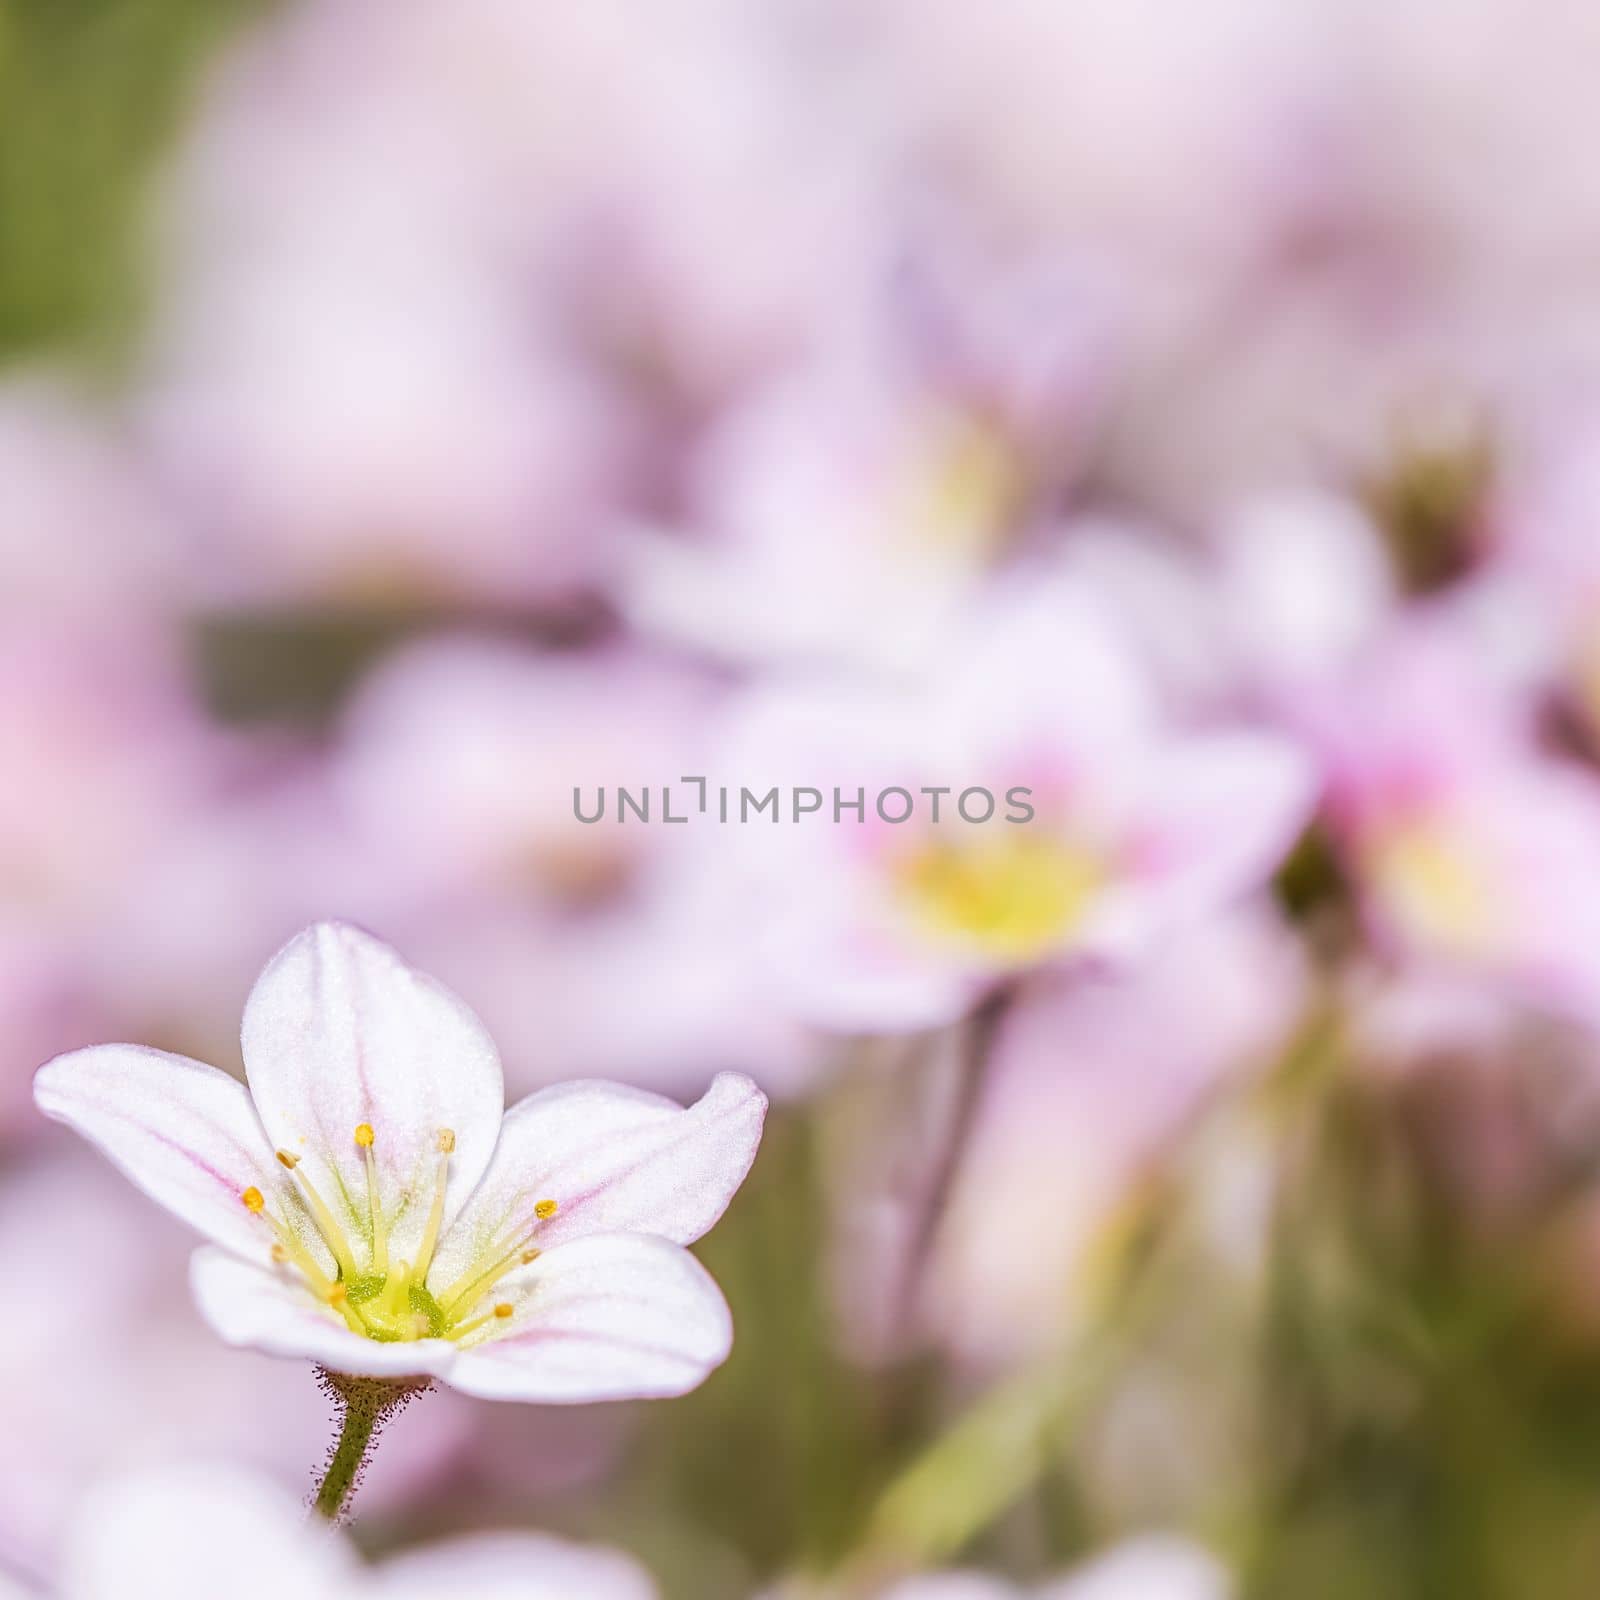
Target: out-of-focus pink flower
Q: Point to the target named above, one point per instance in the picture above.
(461, 757)
(351, 382)
(1108, 828)
(106, 757)
(191, 1531)
(454, 779)
(1153, 1567)
(373, 1211)
(1303, 588)
(1092, 1080)
(1547, 551)
(349, 435)
(1463, 837)
(700, 998)
(102, 751)
(82, 535)
(112, 1370)
(846, 513)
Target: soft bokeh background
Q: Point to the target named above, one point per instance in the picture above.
(411, 410)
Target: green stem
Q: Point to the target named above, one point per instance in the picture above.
(366, 1404)
(348, 1456)
(976, 1048)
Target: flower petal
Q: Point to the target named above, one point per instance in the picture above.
(512, 1566)
(1146, 1567)
(615, 1160)
(615, 1316)
(184, 1132)
(340, 1032)
(253, 1306)
(185, 1532)
(1215, 815)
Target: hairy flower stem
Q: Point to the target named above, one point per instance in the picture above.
(365, 1405)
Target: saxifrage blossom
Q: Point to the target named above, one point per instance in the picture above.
(370, 1206)
(1130, 827)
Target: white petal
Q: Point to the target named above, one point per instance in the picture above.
(265, 1310)
(195, 1532)
(612, 1317)
(512, 1566)
(1215, 817)
(615, 1160)
(184, 1132)
(339, 1031)
(1154, 1567)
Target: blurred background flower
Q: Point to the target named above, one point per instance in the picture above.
(412, 416)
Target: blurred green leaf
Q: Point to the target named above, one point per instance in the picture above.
(92, 93)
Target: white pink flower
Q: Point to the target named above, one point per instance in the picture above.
(371, 1207)
(1464, 838)
(1137, 828)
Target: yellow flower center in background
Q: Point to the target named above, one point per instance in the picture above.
(1432, 887)
(1004, 893)
(972, 491)
(390, 1300)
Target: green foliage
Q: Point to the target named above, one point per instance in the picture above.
(92, 93)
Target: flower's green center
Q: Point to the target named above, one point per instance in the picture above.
(1009, 895)
(391, 1299)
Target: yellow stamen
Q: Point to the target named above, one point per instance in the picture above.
(376, 1300)
(499, 1313)
(472, 1286)
(286, 1248)
(380, 1234)
(327, 1226)
(474, 1283)
(430, 1233)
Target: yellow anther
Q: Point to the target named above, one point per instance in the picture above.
(503, 1310)
(545, 1210)
(530, 1255)
(254, 1200)
(289, 1159)
(364, 1135)
(337, 1294)
(447, 1140)
(280, 1253)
